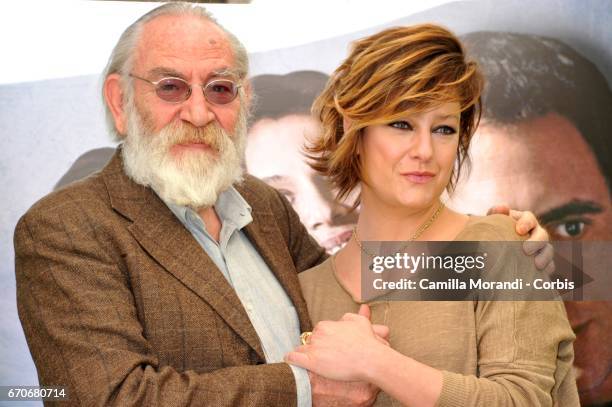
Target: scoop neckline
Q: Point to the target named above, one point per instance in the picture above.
(332, 259)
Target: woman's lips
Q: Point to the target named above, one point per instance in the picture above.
(419, 177)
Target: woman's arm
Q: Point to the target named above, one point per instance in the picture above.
(524, 354)
(349, 350)
(403, 378)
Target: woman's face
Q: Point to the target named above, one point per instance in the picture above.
(408, 163)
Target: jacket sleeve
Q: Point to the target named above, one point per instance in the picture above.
(79, 316)
(304, 249)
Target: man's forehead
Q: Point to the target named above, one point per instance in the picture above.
(187, 26)
(188, 38)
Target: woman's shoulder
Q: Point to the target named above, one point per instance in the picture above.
(325, 297)
(490, 227)
(317, 275)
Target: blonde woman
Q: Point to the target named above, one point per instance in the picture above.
(397, 120)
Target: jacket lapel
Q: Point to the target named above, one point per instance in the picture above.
(269, 242)
(166, 240)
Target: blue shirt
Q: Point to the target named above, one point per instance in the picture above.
(267, 304)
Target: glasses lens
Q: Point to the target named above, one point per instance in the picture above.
(220, 91)
(172, 90)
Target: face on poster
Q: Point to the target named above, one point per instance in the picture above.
(547, 166)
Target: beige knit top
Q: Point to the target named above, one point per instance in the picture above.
(493, 353)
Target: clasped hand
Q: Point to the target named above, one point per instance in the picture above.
(339, 350)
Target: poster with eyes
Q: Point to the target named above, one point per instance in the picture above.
(543, 143)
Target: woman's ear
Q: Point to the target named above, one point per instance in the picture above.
(113, 96)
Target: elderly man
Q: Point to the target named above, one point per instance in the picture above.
(169, 278)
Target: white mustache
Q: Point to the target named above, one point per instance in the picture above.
(194, 179)
(183, 133)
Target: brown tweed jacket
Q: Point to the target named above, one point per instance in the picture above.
(121, 305)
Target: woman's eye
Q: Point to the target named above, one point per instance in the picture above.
(447, 130)
(403, 125)
(572, 229)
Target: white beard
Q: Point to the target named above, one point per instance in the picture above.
(193, 178)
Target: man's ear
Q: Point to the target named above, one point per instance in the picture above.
(113, 96)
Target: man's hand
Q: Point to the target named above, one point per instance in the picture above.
(342, 350)
(335, 354)
(326, 392)
(537, 244)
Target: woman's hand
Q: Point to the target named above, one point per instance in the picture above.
(341, 350)
(537, 244)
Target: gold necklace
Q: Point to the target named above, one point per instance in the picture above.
(414, 237)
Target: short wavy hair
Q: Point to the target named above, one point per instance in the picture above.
(387, 75)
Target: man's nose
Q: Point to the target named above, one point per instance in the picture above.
(197, 110)
(327, 213)
(318, 213)
(323, 209)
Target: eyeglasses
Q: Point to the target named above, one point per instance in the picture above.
(177, 90)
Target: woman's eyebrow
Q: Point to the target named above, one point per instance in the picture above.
(448, 116)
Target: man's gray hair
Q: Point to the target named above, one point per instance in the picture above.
(121, 59)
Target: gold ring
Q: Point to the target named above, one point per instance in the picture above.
(304, 337)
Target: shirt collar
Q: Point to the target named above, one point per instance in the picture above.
(231, 207)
